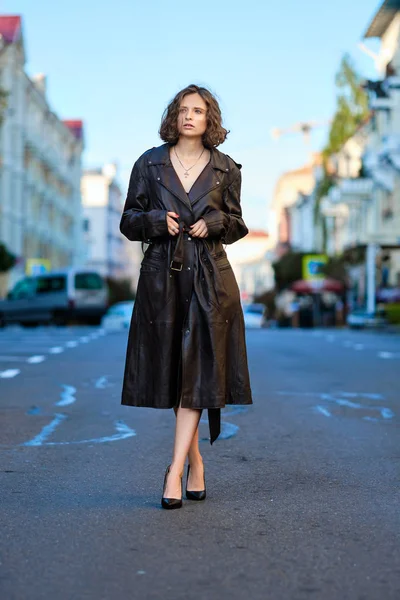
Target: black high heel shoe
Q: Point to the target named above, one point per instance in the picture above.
(195, 495)
(170, 503)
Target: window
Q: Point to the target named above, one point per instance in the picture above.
(23, 289)
(46, 285)
(88, 281)
(86, 225)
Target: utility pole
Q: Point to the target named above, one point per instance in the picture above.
(372, 250)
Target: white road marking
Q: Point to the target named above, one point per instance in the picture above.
(101, 383)
(67, 396)
(387, 413)
(384, 412)
(9, 373)
(386, 355)
(36, 359)
(323, 410)
(71, 344)
(84, 339)
(39, 439)
(56, 350)
(123, 432)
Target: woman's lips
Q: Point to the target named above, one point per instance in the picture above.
(189, 126)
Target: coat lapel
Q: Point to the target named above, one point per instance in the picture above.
(208, 180)
(166, 176)
(170, 180)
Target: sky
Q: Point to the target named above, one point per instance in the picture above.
(116, 65)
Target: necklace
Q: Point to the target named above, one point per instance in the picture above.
(186, 173)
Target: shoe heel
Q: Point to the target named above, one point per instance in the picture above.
(170, 503)
(197, 496)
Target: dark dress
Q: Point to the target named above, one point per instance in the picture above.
(186, 341)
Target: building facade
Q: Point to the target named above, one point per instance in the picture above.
(251, 262)
(107, 249)
(40, 168)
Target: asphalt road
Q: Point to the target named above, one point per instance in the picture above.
(303, 486)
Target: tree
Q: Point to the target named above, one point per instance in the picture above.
(3, 104)
(7, 259)
(351, 111)
(288, 269)
(352, 107)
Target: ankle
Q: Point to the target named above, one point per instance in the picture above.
(196, 461)
(176, 470)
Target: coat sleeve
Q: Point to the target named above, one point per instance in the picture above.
(228, 224)
(137, 222)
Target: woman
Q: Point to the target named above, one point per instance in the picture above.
(186, 346)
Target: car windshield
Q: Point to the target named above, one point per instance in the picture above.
(23, 288)
(88, 281)
(45, 285)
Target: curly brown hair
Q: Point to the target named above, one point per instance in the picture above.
(214, 135)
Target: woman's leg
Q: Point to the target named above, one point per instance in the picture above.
(196, 476)
(187, 421)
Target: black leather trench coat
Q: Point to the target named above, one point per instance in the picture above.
(186, 341)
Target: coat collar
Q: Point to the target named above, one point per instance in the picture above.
(209, 178)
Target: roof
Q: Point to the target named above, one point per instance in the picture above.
(76, 127)
(383, 18)
(10, 28)
(257, 233)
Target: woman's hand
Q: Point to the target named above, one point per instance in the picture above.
(173, 227)
(199, 229)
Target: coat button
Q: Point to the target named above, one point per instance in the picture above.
(149, 162)
(158, 179)
(217, 182)
(226, 169)
(188, 268)
(187, 331)
(189, 239)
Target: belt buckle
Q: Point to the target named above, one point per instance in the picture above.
(174, 268)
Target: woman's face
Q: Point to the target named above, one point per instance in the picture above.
(192, 118)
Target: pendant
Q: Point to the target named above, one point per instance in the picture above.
(186, 174)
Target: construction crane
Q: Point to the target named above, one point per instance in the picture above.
(301, 127)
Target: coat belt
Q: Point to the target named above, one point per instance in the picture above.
(177, 257)
(214, 414)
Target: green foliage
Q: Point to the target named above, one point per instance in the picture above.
(321, 190)
(351, 111)
(288, 269)
(336, 269)
(3, 104)
(352, 107)
(119, 290)
(355, 256)
(7, 259)
(392, 312)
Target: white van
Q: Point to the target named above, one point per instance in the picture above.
(56, 297)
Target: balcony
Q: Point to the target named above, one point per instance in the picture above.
(351, 191)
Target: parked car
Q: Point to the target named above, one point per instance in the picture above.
(360, 318)
(254, 315)
(118, 316)
(56, 297)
